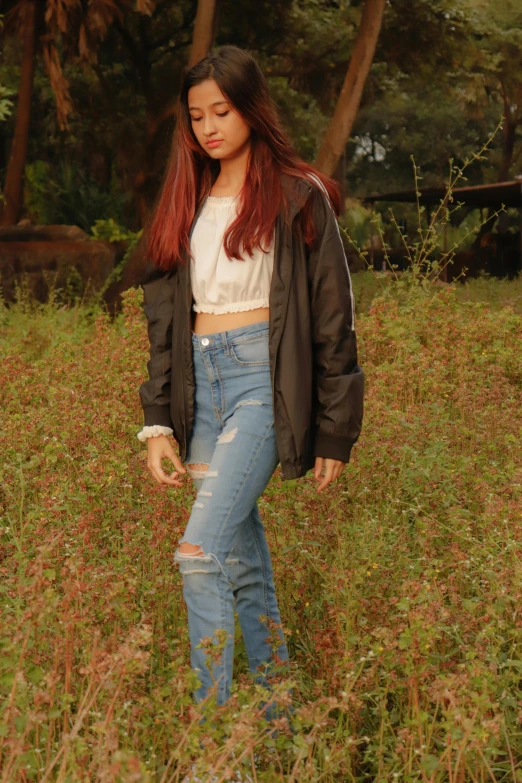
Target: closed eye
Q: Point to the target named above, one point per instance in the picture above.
(223, 114)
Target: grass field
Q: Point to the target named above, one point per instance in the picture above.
(400, 586)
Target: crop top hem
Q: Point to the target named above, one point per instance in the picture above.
(230, 307)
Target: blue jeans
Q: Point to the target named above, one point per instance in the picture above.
(234, 437)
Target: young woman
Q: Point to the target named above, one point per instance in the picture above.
(253, 358)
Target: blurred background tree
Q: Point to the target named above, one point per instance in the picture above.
(100, 108)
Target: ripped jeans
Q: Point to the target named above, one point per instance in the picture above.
(233, 454)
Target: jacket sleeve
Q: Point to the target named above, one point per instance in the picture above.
(158, 305)
(339, 381)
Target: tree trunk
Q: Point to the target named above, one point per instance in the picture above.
(15, 168)
(202, 39)
(205, 25)
(339, 176)
(204, 30)
(341, 124)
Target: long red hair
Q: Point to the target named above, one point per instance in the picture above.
(191, 171)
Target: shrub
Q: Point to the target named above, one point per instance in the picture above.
(399, 586)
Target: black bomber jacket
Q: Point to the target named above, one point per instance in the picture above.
(317, 384)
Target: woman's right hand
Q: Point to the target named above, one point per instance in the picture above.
(160, 448)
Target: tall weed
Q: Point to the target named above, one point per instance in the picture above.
(399, 586)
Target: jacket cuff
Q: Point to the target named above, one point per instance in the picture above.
(153, 432)
(332, 447)
(157, 414)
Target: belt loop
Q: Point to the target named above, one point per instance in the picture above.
(225, 343)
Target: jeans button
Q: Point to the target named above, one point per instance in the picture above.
(205, 341)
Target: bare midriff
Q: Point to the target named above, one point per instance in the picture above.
(209, 323)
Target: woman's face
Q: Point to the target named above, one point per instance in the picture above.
(217, 126)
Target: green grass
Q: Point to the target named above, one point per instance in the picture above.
(400, 586)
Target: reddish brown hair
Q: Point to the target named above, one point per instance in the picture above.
(191, 172)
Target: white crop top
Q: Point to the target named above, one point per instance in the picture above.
(219, 284)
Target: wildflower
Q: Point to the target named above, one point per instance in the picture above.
(307, 603)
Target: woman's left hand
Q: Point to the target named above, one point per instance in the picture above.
(332, 470)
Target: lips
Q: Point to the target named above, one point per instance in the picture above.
(214, 143)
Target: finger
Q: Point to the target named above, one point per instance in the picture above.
(154, 474)
(173, 479)
(328, 475)
(159, 451)
(162, 478)
(319, 462)
(171, 455)
(338, 470)
(177, 462)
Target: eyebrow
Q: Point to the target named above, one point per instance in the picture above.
(216, 103)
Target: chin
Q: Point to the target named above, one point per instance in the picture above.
(219, 154)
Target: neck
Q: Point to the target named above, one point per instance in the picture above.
(233, 171)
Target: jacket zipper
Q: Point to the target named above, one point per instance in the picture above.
(188, 326)
(283, 315)
(276, 354)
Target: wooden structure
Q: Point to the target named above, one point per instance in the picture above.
(494, 197)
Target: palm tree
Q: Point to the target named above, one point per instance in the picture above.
(41, 25)
(79, 27)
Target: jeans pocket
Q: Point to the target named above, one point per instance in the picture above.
(252, 352)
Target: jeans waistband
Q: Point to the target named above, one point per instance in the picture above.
(222, 339)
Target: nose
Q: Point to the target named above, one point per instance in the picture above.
(209, 126)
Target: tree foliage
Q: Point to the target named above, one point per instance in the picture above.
(443, 74)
